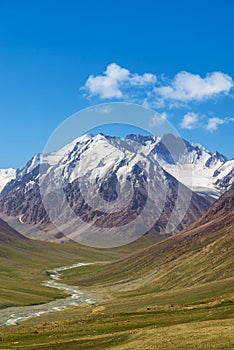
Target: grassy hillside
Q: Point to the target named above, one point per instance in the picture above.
(176, 294)
(23, 264)
(202, 253)
(200, 317)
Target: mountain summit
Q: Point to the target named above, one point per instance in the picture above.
(161, 184)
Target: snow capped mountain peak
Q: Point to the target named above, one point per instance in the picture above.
(6, 175)
(142, 139)
(224, 175)
(107, 180)
(30, 166)
(95, 172)
(189, 163)
(216, 159)
(199, 146)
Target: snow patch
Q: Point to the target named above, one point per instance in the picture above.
(6, 175)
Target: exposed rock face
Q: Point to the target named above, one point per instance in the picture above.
(95, 171)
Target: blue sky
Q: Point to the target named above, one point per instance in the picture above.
(49, 50)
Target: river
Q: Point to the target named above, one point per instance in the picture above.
(13, 315)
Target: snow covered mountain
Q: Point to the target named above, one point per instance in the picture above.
(202, 171)
(95, 172)
(107, 181)
(6, 175)
(224, 176)
(197, 168)
(191, 164)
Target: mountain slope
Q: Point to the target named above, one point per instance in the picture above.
(99, 170)
(190, 163)
(24, 263)
(8, 234)
(158, 313)
(201, 253)
(220, 215)
(194, 166)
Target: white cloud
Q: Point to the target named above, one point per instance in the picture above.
(190, 121)
(158, 119)
(107, 85)
(144, 79)
(213, 123)
(115, 80)
(188, 87)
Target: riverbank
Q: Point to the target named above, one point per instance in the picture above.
(13, 315)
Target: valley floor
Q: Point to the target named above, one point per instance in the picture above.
(198, 317)
(176, 294)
